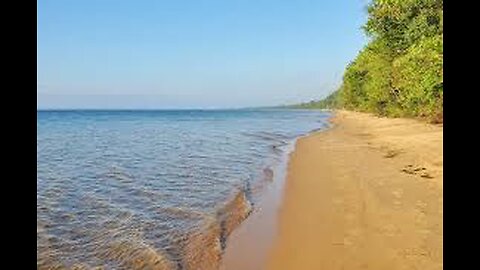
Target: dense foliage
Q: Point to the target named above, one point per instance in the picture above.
(400, 71)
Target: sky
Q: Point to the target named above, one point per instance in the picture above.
(158, 54)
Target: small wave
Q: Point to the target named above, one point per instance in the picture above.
(178, 212)
(267, 136)
(233, 213)
(136, 255)
(204, 247)
(118, 174)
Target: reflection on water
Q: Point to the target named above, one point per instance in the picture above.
(152, 189)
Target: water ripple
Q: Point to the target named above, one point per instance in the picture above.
(153, 189)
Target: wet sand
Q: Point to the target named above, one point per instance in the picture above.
(366, 194)
(249, 244)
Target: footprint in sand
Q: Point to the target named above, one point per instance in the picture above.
(416, 170)
(389, 230)
(391, 153)
(398, 194)
(421, 205)
(397, 204)
(351, 237)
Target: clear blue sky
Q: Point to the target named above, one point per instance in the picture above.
(193, 54)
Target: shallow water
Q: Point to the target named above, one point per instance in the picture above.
(153, 189)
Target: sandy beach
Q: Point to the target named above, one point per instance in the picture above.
(366, 194)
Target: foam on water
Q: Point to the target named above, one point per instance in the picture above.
(153, 189)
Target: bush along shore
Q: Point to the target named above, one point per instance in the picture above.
(399, 73)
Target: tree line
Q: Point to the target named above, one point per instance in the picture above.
(399, 73)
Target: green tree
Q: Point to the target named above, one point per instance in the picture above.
(400, 71)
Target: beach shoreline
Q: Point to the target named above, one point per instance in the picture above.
(249, 244)
(364, 194)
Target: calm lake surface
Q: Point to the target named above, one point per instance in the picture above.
(153, 189)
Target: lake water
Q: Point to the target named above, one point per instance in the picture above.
(153, 189)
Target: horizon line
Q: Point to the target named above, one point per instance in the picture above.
(161, 109)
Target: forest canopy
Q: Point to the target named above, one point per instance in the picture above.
(399, 73)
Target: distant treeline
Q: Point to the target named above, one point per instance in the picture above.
(329, 102)
(399, 73)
